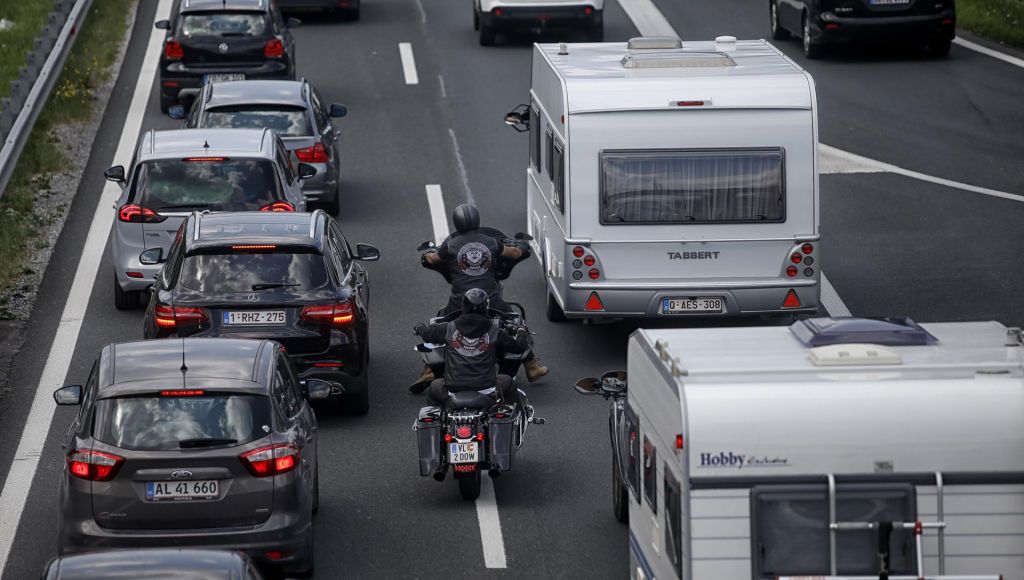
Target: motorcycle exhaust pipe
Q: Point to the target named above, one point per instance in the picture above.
(493, 472)
(439, 476)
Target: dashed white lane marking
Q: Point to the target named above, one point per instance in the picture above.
(830, 299)
(408, 63)
(486, 507)
(444, 91)
(33, 436)
(989, 52)
(647, 18)
(463, 174)
(423, 13)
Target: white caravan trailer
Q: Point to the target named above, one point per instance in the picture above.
(744, 453)
(672, 178)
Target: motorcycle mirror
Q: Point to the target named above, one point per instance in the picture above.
(523, 236)
(614, 382)
(587, 386)
(425, 246)
(519, 118)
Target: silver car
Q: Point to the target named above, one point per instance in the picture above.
(294, 110)
(174, 173)
(193, 443)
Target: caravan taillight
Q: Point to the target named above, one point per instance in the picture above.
(807, 248)
(791, 271)
(796, 257)
(679, 441)
(589, 260)
(578, 251)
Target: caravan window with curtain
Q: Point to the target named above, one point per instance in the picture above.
(692, 187)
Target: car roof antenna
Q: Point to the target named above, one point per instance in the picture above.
(206, 145)
(184, 367)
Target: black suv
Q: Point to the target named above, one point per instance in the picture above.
(290, 277)
(223, 40)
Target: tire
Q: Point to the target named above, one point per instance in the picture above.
(487, 35)
(620, 496)
(811, 50)
(554, 312)
(778, 32)
(476, 18)
(166, 103)
(126, 299)
(469, 487)
(596, 33)
(940, 48)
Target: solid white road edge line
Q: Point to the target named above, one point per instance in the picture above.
(989, 52)
(486, 507)
(33, 436)
(463, 174)
(423, 13)
(408, 63)
(830, 299)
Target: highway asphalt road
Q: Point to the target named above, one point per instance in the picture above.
(892, 245)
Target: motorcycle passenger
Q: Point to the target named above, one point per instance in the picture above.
(473, 344)
(470, 259)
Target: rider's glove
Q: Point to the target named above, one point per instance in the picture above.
(419, 328)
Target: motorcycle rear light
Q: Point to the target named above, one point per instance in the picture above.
(171, 316)
(500, 415)
(594, 273)
(807, 248)
(274, 48)
(589, 261)
(278, 206)
(578, 251)
(796, 257)
(329, 365)
(448, 438)
(315, 154)
(93, 465)
(427, 420)
(138, 214)
(463, 432)
(271, 460)
(791, 271)
(464, 467)
(480, 436)
(340, 314)
(173, 50)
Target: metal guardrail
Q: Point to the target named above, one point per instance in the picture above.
(29, 93)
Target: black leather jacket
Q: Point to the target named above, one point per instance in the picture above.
(473, 344)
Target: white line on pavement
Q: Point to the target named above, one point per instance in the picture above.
(647, 18)
(486, 507)
(830, 299)
(33, 436)
(463, 174)
(444, 91)
(408, 63)
(423, 13)
(989, 52)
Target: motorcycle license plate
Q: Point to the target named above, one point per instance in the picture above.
(182, 490)
(463, 452)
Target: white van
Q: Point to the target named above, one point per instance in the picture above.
(670, 179)
(751, 453)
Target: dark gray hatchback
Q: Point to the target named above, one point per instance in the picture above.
(192, 442)
(153, 564)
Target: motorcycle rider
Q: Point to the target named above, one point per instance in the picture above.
(469, 258)
(474, 344)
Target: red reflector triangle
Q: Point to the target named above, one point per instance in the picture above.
(594, 302)
(792, 300)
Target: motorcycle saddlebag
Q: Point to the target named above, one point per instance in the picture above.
(428, 435)
(500, 431)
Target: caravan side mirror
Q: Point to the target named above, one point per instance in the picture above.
(519, 118)
(614, 382)
(587, 386)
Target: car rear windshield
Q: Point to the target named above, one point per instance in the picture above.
(214, 183)
(249, 272)
(175, 422)
(285, 121)
(223, 24)
(692, 187)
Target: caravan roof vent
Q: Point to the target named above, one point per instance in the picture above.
(654, 43)
(815, 332)
(676, 59)
(853, 355)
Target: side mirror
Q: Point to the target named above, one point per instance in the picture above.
(69, 395)
(427, 245)
(115, 174)
(176, 112)
(163, 24)
(317, 390)
(587, 386)
(306, 171)
(523, 236)
(614, 382)
(367, 253)
(152, 257)
(292, 23)
(519, 118)
(337, 111)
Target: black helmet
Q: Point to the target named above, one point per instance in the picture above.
(466, 218)
(475, 301)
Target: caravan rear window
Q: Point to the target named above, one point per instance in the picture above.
(692, 187)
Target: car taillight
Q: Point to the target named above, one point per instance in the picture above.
(138, 214)
(278, 206)
(274, 48)
(173, 50)
(271, 460)
(315, 154)
(171, 316)
(93, 465)
(339, 314)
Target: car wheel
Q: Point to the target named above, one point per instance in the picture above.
(940, 48)
(554, 311)
(469, 487)
(126, 299)
(620, 496)
(166, 103)
(811, 50)
(476, 18)
(778, 32)
(487, 35)
(596, 33)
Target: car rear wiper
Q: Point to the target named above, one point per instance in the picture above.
(271, 286)
(205, 442)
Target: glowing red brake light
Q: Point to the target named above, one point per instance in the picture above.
(315, 154)
(578, 251)
(204, 159)
(274, 48)
(251, 247)
(796, 258)
(594, 273)
(138, 214)
(271, 460)
(183, 393)
(463, 432)
(93, 465)
(807, 248)
(173, 50)
(340, 314)
(278, 206)
(171, 316)
(791, 271)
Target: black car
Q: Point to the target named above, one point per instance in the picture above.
(290, 277)
(348, 9)
(822, 22)
(223, 40)
(155, 564)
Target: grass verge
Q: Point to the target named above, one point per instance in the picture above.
(998, 20)
(21, 21)
(88, 67)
